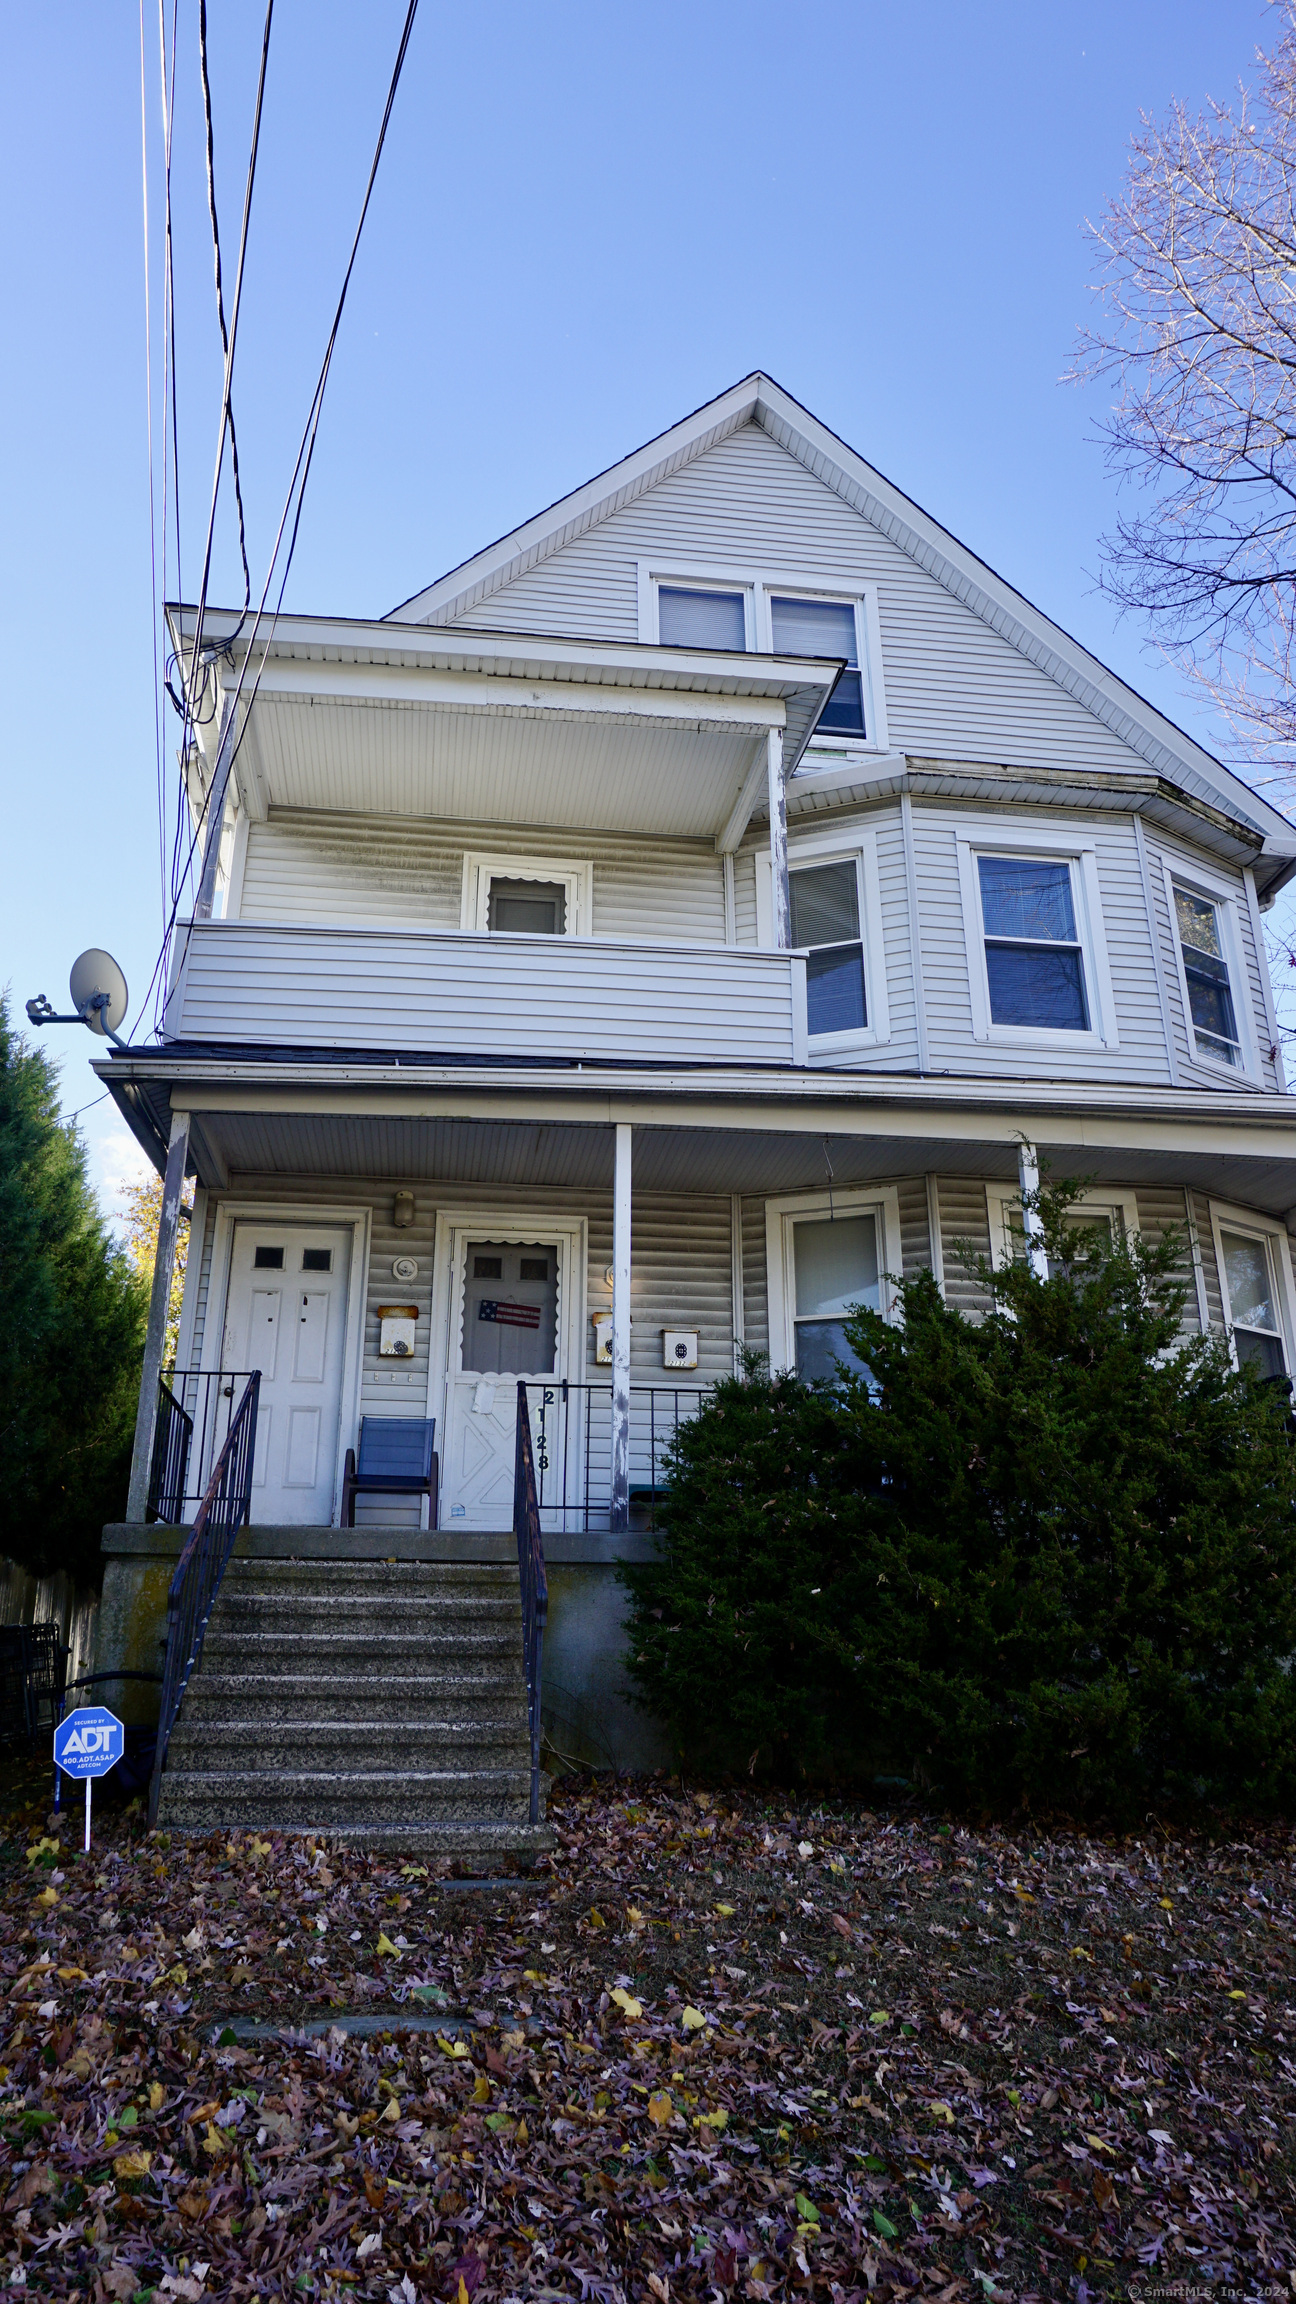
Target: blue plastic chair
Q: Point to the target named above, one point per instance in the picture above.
(396, 1458)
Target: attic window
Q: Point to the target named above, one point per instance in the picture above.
(527, 908)
(701, 619)
(824, 628)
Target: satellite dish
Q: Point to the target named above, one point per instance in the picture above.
(95, 975)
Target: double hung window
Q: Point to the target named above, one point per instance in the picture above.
(1098, 1217)
(1249, 1279)
(824, 628)
(837, 1266)
(1204, 943)
(697, 618)
(826, 921)
(1034, 959)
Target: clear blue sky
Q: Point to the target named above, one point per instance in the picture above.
(590, 219)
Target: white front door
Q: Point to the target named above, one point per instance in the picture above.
(286, 1315)
(508, 1314)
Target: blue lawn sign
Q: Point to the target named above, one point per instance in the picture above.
(87, 1744)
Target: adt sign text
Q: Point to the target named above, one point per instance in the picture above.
(89, 1742)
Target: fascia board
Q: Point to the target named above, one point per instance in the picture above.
(326, 642)
(868, 1101)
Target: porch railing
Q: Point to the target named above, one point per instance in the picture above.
(534, 1582)
(573, 1449)
(196, 1408)
(224, 1507)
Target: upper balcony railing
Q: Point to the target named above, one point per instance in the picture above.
(460, 994)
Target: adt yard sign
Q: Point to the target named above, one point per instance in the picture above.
(88, 1743)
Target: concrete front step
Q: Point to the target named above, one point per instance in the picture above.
(461, 1699)
(387, 1646)
(267, 1798)
(206, 1745)
(238, 1612)
(492, 1847)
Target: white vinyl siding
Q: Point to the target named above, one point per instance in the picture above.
(964, 1226)
(954, 688)
(398, 871)
(471, 995)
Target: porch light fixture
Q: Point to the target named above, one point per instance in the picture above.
(403, 1211)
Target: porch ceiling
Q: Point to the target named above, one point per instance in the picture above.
(518, 1154)
(500, 727)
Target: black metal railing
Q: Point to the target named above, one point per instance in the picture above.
(197, 1580)
(573, 1449)
(533, 1580)
(196, 1408)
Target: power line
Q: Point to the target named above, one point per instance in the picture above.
(296, 487)
(228, 336)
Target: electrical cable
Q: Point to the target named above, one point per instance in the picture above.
(228, 337)
(148, 416)
(296, 487)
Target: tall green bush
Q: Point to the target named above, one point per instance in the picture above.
(1045, 1559)
(72, 1314)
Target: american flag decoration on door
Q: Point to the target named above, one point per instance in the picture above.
(509, 1315)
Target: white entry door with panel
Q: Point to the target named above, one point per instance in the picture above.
(512, 1308)
(286, 1315)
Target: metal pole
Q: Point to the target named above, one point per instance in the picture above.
(1028, 1181)
(159, 1305)
(778, 839)
(619, 1512)
(89, 1782)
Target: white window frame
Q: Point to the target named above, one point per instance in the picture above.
(1219, 892)
(1226, 1218)
(576, 877)
(881, 1201)
(856, 845)
(1060, 845)
(1003, 1200)
(758, 587)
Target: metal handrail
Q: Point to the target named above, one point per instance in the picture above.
(172, 1441)
(533, 1580)
(572, 1446)
(201, 1567)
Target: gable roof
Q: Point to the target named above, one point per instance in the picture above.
(757, 399)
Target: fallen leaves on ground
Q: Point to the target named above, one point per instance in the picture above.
(714, 2046)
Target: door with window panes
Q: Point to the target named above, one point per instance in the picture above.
(506, 1313)
(286, 1315)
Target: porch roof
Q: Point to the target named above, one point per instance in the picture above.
(498, 727)
(710, 1130)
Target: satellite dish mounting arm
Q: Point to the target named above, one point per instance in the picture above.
(39, 1011)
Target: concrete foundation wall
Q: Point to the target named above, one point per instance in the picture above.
(587, 1710)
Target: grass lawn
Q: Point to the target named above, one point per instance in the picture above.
(722, 2044)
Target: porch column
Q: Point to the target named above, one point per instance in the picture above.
(1028, 1181)
(619, 1514)
(216, 814)
(159, 1302)
(778, 839)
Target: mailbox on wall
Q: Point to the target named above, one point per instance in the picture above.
(679, 1347)
(396, 1330)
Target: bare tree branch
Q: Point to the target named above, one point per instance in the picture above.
(1198, 336)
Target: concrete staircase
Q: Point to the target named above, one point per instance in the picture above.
(381, 1702)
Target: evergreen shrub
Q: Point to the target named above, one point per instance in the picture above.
(1044, 1559)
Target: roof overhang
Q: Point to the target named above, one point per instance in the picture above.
(705, 1130)
(499, 727)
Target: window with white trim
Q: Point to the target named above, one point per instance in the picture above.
(1034, 959)
(801, 627)
(826, 922)
(1203, 929)
(701, 617)
(1110, 1215)
(527, 895)
(1037, 956)
(1251, 1295)
(827, 1252)
(709, 607)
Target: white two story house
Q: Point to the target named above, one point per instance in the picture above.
(659, 934)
